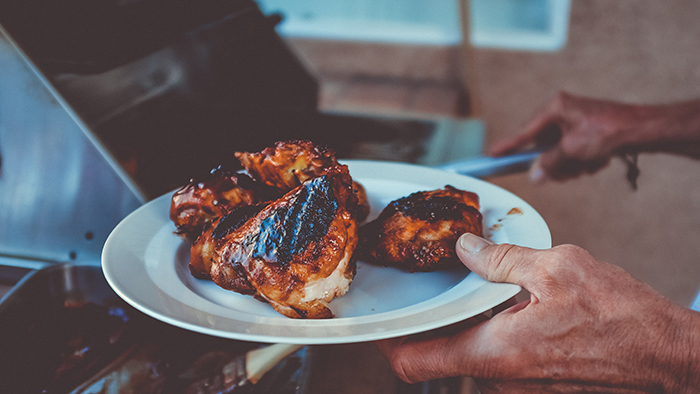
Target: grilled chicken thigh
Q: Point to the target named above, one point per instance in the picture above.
(419, 232)
(202, 200)
(212, 239)
(288, 164)
(297, 253)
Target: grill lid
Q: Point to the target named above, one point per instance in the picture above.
(61, 193)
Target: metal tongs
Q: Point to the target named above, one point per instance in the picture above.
(485, 166)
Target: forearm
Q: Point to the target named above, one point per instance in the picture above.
(673, 128)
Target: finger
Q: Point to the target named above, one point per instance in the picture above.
(557, 165)
(414, 359)
(536, 173)
(502, 263)
(542, 130)
(511, 145)
(550, 134)
(594, 166)
(388, 346)
(446, 331)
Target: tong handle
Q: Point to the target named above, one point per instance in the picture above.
(259, 361)
(486, 166)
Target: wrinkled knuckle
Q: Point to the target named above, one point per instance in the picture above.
(571, 264)
(500, 264)
(569, 252)
(402, 367)
(397, 365)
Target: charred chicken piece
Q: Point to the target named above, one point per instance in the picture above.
(204, 249)
(288, 164)
(419, 232)
(297, 253)
(202, 200)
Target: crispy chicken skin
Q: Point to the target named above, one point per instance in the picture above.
(207, 245)
(274, 171)
(288, 164)
(297, 253)
(419, 232)
(202, 200)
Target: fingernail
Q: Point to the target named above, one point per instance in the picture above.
(472, 243)
(536, 175)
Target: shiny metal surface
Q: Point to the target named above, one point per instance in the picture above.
(485, 166)
(60, 191)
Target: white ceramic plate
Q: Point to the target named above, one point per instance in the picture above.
(146, 264)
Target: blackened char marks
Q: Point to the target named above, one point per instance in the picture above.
(430, 209)
(292, 228)
(418, 232)
(235, 219)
